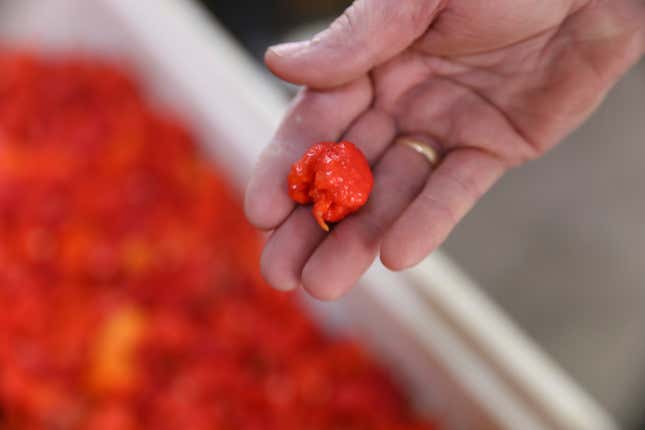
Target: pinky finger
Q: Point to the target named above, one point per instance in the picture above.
(452, 190)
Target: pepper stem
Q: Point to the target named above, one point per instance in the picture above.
(320, 209)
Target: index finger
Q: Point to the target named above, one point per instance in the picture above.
(315, 116)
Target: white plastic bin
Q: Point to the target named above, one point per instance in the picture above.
(460, 359)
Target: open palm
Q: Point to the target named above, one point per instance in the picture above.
(489, 84)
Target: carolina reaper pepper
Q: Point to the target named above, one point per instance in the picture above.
(335, 177)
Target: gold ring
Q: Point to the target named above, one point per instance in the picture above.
(431, 154)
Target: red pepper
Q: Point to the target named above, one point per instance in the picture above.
(336, 177)
(130, 296)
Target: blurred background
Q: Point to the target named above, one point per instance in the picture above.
(559, 244)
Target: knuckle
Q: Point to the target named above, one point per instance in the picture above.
(465, 186)
(438, 205)
(417, 15)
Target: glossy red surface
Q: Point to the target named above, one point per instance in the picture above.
(335, 177)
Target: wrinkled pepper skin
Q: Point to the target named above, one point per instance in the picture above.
(335, 177)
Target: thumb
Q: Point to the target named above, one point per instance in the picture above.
(367, 34)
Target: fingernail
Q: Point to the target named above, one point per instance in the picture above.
(287, 49)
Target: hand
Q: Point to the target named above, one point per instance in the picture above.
(492, 83)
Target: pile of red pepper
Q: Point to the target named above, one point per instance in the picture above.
(129, 293)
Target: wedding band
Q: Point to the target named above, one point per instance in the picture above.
(431, 154)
